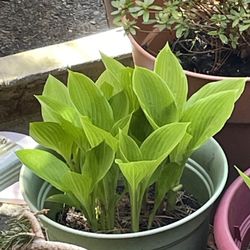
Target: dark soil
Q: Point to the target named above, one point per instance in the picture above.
(204, 58)
(186, 205)
(26, 24)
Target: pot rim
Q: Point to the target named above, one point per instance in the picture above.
(187, 72)
(176, 224)
(222, 213)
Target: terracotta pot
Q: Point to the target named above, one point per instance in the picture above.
(109, 9)
(232, 219)
(235, 136)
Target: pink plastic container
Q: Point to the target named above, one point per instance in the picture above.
(232, 219)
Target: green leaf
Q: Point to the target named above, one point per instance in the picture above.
(223, 38)
(98, 161)
(77, 134)
(136, 172)
(138, 118)
(56, 90)
(53, 136)
(89, 100)
(244, 176)
(46, 166)
(215, 87)
(65, 198)
(208, 115)
(169, 69)
(163, 140)
(127, 85)
(128, 148)
(62, 111)
(80, 186)
(244, 27)
(120, 105)
(105, 84)
(122, 124)
(96, 135)
(155, 97)
(113, 66)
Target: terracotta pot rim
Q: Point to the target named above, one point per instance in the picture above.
(187, 72)
(222, 214)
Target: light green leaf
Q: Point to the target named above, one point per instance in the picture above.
(208, 115)
(53, 136)
(80, 186)
(163, 140)
(96, 135)
(104, 83)
(113, 66)
(65, 198)
(127, 85)
(62, 111)
(128, 148)
(244, 176)
(169, 69)
(122, 124)
(215, 87)
(46, 166)
(155, 98)
(89, 100)
(98, 161)
(136, 172)
(56, 90)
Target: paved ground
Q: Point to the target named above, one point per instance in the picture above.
(26, 24)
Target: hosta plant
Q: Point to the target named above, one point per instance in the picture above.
(133, 128)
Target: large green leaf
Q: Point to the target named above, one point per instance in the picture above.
(46, 166)
(113, 66)
(80, 185)
(155, 97)
(104, 83)
(89, 100)
(169, 69)
(216, 87)
(163, 140)
(62, 111)
(98, 161)
(207, 116)
(53, 136)
(77, 134)
(65, 198)
(96, 135)
(138, 171)
(128, 148)
(127, 84)
(56, 90)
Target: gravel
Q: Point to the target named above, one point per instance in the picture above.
(29, 24)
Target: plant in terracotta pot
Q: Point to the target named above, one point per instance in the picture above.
(233, 213)
(125, 149)
(211, 39)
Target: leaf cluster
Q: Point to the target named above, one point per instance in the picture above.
(218, 23)
(132, 127)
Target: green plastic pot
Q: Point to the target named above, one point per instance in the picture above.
(204, 176)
